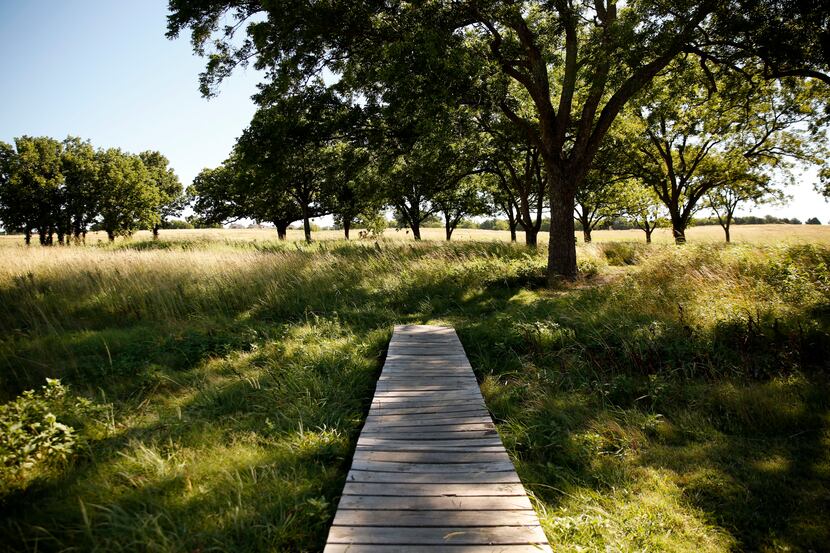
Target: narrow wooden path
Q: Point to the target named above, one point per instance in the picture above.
(430, 473)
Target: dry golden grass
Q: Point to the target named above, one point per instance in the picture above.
(754, 234)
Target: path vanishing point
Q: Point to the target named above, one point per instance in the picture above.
(430, 473)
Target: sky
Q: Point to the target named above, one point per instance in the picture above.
(103, 70)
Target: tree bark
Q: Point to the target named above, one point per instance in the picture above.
(27, 236)
(306, 226)
(416, 229)
(562, 245)
(648, 236)
(586, 234)
(155, 232)
(512, 232)
(347, 225)
(531, 236)
(726, 233)
(282, 229)
(679, 232)
(111, 235)
(448, 230)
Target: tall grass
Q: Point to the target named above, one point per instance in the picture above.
(676, 399)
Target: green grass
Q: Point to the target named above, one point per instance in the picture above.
(676, 400)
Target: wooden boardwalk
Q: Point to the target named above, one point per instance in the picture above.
(430, 473)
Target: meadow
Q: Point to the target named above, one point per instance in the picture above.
(674, 398)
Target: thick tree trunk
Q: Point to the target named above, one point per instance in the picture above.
(562, 246)
(347, 225)
(726, 233)
(83, 237)
(155, 232)
(648, 236)
(60, 238)
(448, 231)
(679, 233)
(531, 236)
(41, 234)
(111, 235)
(282, 230)
(512, 232)
(416, 229)
(586, 233)
(27, 236)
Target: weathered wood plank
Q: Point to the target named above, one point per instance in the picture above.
(431, 435)
(439, 536)
(446, 503)
(348, 517)
(380, 416)
(491, 466)
(370, 441)
(505, 477)
(370, 548)
(473, 489)
(430, 472)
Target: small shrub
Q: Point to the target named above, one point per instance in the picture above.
(32, 439)
(31, 434)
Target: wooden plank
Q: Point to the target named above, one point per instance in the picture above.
(401, 403)
(446, 503)
(407, 490)
(382, 466)
(429, 435)
(432, 410)
(402, 421)
(505, 477)
(374, 429)
(437, 535)
(430, 472)
(370, 548)
(442, 457)
(349, 517)
(369, 441)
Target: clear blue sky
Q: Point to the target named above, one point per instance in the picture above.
(103, 70)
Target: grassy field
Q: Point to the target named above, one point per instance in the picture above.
(754, 234)
(672, 399)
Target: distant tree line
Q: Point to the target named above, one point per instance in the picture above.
(62, 189)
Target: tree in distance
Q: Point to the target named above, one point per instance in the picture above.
(698, 131)
(128, 198)
(169, 189)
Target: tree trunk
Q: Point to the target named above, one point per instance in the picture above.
(41, 234)
(531, 236)
(586, 233)
(83, 237)
(307, 227)
(448, 228)
(111, 235)
(27, 236)
(679, 232)
(512, 232)
(726, 233)
(155, 232)
(416, 229)
(648, 236)
(60, 238)
(282, 230)
(347, 225)
(562, 245)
